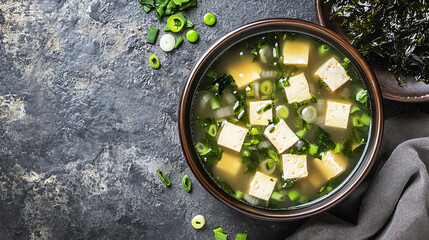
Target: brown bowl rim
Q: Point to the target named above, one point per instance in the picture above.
(327, 201)
(386, 93)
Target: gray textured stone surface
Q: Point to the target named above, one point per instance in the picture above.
(85, 121)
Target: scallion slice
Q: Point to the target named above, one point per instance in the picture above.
(241, 236)
(198, 222)
(212, 130)
(282, 111)
(186, 183)
(153, 33)
(254, 131)
(365, 119)
(357, 122)
(175, 23)
(154, 61)
(278, 196)
(163, 177)
(214, 103)
(266, 87)
(273, 155)
(220, 234)
(179, 41)
(202, 149)
(313, 149)
(323, 49)
(293, 195)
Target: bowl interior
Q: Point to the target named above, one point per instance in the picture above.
(247, 31)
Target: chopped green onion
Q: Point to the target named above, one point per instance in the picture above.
(241, 236)
(270, 128)
(313, 149)
(267, 107)
(163, 177)
(175, 23)
(362, 96)
(303, 199)
(282, 111)
(301, 133)
(189, 23)
(209, 19)
(186, 183)
(192, 36)
(202, 149)
(278, 196)
(354, 109)
(167, 29)
(313, 98)
(179, 41)
(285, 82)
(365, 119)
(154, 61)
(266, 87)
(323, 49)
(153, 33)
(254, 131)
(250, 92)
(198, 221)
(293, 195)
(269, 164)
(346, 60)
(246, 153)
(212, 131)
(339, 148)
(167, 42)
(273, 155)
(214, 103)
(357, 122)
(219, 234)
(239, 194)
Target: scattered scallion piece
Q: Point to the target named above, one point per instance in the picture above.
(152, 35)
(266, 87)
(241, 236)
(186, 183)
(357, 122)
(293, 195)
(192, 36)
(273, 155)
(365, 119)
(254, 131)
(154, 61)
(198, 222)
(278, 196)
(219, 234)
(178, 42)
(175, 23)
(163, 177)
(214, 103)
(282, 111)
(267, 107)
(313, 148)
(167, 42)
(209, 19)
(239, 194)
(212, 130)
(303, 199)
(323, 49)
(202, 149)
(339, 148)
(354, 109)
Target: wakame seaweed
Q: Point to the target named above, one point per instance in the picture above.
(392, 34)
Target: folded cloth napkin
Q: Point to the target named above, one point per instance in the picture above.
(393, 201)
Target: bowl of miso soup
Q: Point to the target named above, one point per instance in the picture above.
(280, 119)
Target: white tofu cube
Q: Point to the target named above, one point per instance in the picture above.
(229, 163)
(329, 165)
(337, 114)
(294, 166)
(262, 186)
(281, 137)
(296, 53)
(333, 74)
(298, 90)
(245, 73)
(232, 136)
(262, 117)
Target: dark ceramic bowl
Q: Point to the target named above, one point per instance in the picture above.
(412, 92)
(265, 26)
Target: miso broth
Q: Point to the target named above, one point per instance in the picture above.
(280, 119)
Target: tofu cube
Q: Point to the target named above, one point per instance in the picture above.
(262, 186)
(337, 114)
(294, 166)
(244, 73)
(298, 90)
(229, 163)
(296, 53)
(261, 118)
(281, 137)
(333, 74)
(232, 136)
(329, 165)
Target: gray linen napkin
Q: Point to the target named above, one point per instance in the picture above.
(393, 201)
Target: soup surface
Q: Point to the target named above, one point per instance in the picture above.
(280, 119)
